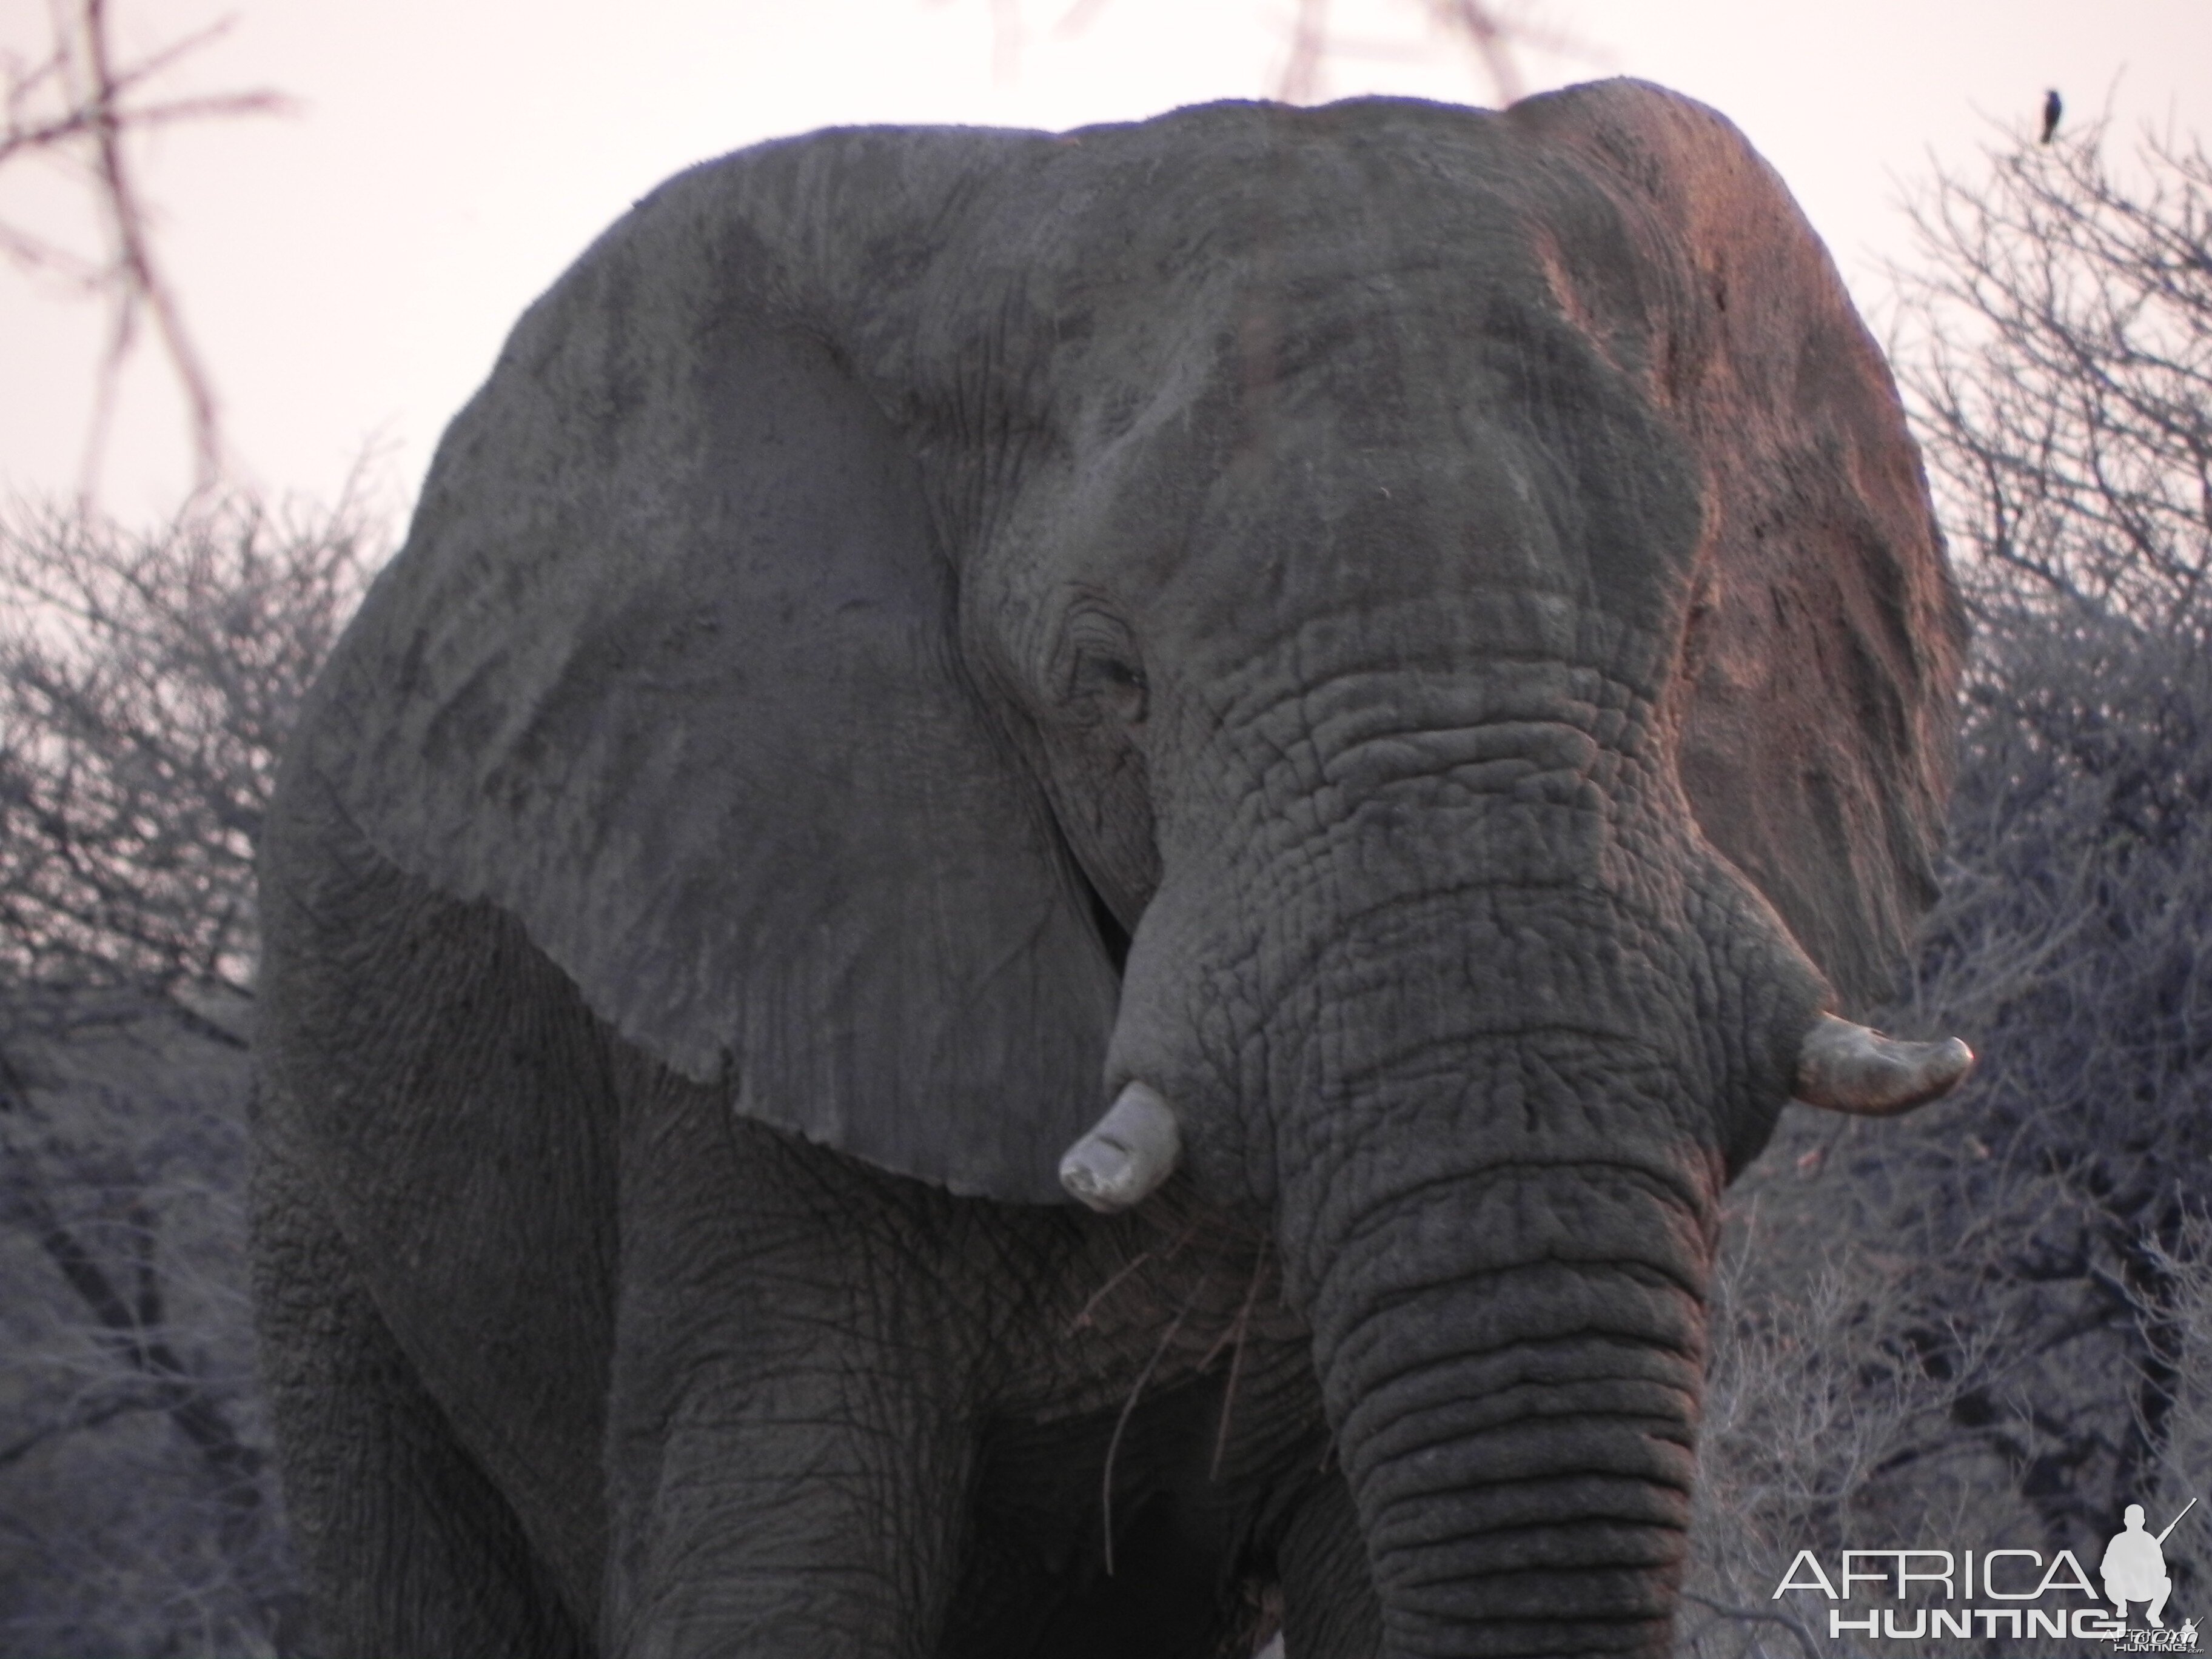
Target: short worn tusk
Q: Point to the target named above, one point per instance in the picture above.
(1849, 1068)
(1125, 1158)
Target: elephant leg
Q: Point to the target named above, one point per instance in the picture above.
(790, 1454)
(410, 1550)
(1329, 1607)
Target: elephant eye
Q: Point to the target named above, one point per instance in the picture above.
(1101, 670)
(1112, 682)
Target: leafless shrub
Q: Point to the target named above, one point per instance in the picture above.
(138, 1512)
(146, 686)
(2185, 1316)
(2058, 353)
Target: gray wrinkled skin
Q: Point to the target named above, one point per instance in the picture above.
(1415, 634)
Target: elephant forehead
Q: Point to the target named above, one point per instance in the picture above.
(1510, 494)
(1346, 186)
(1296, 259)
(1347, 217)
(1326, 360)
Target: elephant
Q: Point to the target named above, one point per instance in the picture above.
(1042, 912)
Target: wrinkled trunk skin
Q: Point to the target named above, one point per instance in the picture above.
(1510, 1334)
(1504, 1221)
(1512, 1365)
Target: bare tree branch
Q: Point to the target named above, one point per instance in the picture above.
(119, 1170)
(1492, 32)
(89, 1418)
(76, 103)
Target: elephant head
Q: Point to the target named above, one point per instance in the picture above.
(1399, 653)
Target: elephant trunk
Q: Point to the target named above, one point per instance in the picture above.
(1512, 1363)
(1505, 1226)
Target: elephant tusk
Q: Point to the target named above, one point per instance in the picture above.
(1849, 1068)
(1125, 1158)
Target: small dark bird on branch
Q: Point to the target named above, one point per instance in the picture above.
(2052, 109)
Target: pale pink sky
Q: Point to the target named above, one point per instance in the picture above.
(350, 269)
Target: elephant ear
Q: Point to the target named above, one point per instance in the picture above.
(667, 670)
(1816, 702)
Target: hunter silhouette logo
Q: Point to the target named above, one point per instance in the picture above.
(2134, 1568)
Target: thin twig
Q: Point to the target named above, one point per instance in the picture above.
(77, 103)
(1789, 1622)
(1128, 1406)
(1241, 1326)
